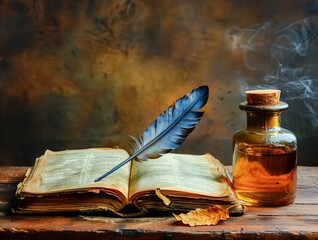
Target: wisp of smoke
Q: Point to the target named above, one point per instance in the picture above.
(286, 55)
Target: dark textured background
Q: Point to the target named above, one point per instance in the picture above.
(79, 74)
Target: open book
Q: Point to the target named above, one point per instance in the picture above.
(64, 181)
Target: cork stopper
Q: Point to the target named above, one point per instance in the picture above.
(264, 97)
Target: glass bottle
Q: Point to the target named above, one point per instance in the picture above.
(264, 155)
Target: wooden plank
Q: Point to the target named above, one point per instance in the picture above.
(296, 226)
(12, 174)
(291, 210)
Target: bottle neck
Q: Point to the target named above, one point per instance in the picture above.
(263, 120)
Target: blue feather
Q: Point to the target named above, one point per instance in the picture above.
(170, 129)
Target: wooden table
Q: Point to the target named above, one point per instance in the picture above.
(296, 221)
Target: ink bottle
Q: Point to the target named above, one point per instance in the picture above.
(264, 154)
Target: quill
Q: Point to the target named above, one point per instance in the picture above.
(170, 129)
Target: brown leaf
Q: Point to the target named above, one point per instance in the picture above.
(165, 200)
(199, 217)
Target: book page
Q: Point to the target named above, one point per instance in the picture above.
(200, 174)
(74, 169)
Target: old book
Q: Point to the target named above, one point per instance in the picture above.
(64, 182)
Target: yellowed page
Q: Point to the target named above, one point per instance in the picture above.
(75, 169)
(200, 174)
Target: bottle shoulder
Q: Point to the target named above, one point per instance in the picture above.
(278, 136)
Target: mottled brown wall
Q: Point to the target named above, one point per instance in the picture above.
(79, 74)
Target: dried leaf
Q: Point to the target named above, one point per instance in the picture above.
(199, 217)
(165, 200)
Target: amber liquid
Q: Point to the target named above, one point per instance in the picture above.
(264, 175)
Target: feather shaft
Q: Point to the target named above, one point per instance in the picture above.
(115, 168)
